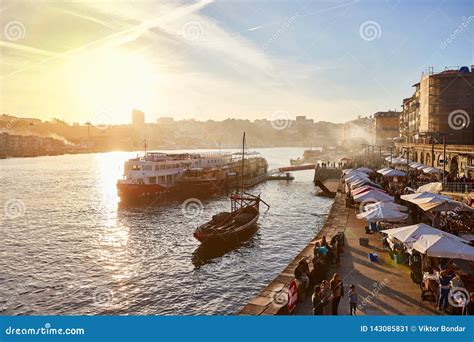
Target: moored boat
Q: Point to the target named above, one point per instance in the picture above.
(239, 224)
(161, 176)
(235, 226)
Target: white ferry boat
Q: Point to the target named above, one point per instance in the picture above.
(163, 175)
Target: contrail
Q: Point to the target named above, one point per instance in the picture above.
(26, 48)
(255, 28)
(122, 36)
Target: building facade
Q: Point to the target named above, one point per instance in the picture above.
(443, 103)
(437, 121)
(410, 117)
(12, 145)
(138, 119)
(459, 158)
(387, 127)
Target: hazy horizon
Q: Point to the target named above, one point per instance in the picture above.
(328, 60)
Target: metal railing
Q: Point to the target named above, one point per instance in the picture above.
(460, 187)
(251, 182)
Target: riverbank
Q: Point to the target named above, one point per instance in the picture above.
(267, 301)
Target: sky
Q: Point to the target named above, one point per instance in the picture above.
(329, 60)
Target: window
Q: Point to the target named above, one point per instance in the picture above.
(152, 180)
(147, 168)
(135, 167)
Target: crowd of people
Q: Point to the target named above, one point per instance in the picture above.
(327, 293)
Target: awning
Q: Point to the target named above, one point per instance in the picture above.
(373, 196)
(445, 206)
(380, 213)
(413, 233)
(443, 246)
(434, 187)
(424, 197)
(393, 173)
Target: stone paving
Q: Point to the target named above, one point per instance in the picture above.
(384, 288)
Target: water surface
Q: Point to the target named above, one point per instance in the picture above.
(75, 252)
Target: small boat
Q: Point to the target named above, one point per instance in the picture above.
(296, 162)
(239, 224)
(235, 226)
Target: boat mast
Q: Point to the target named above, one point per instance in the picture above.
(242, 175)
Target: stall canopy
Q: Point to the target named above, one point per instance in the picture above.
(410, 234)
(424, 197)
(365, 188)
(414, 165)
(384, 169)
(434, 187)
(382, 214)
(373, 196)
(355, 171)
(355, 177)
(393, 173)
(432, 170)
(388, 205)
(361, 182)
(358, 183)
(365, 169)
(443, 246)
(445, 206)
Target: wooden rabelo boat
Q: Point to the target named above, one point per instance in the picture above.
(239, 224)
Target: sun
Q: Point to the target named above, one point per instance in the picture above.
(112, 80)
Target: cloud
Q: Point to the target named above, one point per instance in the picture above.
(255, 28)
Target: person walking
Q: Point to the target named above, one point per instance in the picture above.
(353, 299)
(337, 290)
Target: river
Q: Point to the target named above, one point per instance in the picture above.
(67, 248)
